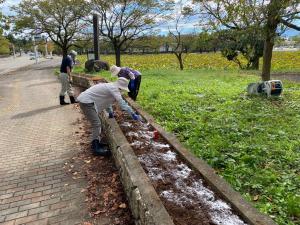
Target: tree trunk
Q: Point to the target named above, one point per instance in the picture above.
(273, 20)
(166, 48)
(118, 56)
(268, 48)
(254, 63)
(64, 51)
(179, 57)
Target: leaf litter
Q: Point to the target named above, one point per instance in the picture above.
(104, 191)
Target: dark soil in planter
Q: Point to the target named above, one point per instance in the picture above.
(186, 196)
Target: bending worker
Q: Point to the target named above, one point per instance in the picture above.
(134, 76)
(97, 98)
(65, 78)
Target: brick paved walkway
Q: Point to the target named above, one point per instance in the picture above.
(35, 141)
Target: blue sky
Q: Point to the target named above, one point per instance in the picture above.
(7, 4)
(190, 27)
(291, 32)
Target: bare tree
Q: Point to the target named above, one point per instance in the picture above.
(61, 20)
(277, 12)
(260, 14)
(123, 21)
(179, 42)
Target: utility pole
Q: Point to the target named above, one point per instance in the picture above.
(96, 36)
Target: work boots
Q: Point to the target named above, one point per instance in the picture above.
(99, 149)
(72, 100)
(62, 100)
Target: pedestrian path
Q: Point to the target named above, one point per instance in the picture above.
(36, 139)
(11, 64)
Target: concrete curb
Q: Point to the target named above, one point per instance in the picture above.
(144, 202)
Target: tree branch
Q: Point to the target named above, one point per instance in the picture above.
(290, 25)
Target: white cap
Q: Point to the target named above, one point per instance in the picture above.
(122, 83)
(73, 52)
(114, 70)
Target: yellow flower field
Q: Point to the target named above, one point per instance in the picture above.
(282, 61)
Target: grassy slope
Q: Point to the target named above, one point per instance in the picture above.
(252, 142)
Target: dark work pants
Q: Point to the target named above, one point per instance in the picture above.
(134, 87)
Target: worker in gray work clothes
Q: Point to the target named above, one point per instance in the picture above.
(65, 78)
(97, 98)
(134, 76)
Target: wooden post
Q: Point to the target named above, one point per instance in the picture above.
(96, 36)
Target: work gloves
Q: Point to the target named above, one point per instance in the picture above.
(110, 115)
(136, 116)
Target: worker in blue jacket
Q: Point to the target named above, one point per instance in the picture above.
(133, 76)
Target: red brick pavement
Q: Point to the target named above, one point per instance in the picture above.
(36, 138)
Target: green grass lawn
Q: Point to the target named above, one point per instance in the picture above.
(253, 142)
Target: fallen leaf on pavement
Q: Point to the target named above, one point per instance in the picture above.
(87, 223)
(123, 206)
(98, 212)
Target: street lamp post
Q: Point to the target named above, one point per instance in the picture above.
(46, 48)
(35, 47)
